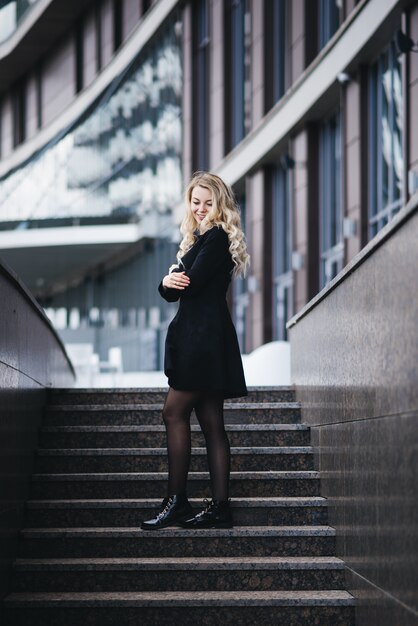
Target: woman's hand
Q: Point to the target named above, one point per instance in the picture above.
(176, 280)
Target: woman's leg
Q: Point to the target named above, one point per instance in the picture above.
(177, 408)
(209, 412)
(175, 507)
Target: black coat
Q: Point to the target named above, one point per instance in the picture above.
(201, 349)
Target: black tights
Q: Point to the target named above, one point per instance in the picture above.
(209, 412)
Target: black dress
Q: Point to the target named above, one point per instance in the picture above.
(201, 348)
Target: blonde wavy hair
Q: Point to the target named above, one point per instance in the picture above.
(225, 213)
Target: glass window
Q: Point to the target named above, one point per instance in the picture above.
(385, 139)
(200, 85)
(146, 4)
(19, 113)
(79, 55)
(329, 20)
(330, 200)
(117, 24)
(282, 253)
(98, 31)
(39, 96)
(237, 44)
(275, 49)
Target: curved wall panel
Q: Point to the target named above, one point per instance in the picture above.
(32, 359)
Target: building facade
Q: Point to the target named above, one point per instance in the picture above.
(304, 106)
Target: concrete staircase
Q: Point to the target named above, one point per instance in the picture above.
(101, 469)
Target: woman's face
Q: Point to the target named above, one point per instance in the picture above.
(201, 203)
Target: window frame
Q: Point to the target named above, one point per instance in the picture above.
(235, 72)
(19, 104)
(282, 248)
(275, 16)
(377, 214)
(330, 196)
(329, 21)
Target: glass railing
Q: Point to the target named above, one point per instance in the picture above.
(12, 12)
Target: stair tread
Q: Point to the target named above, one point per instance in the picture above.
(274, 562)
(107, 476)
(163, 451)
(154, 502)
(146, 428)
(63, 553)
(157, 406)
(237, 531)
(189, 598)
(112, 390)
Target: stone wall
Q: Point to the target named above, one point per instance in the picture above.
(32, 359)
(355, 366)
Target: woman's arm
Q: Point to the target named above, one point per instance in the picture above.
(171, 295)
(173, 284)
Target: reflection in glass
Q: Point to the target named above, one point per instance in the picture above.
(119, 165)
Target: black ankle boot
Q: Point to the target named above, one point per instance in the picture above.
(173, 509)
(216, 514)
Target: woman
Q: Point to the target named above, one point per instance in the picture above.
(202, 358)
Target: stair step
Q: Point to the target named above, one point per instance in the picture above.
(126, 512)
(154, 484)
(177, 542)
(154, 436)
(140, 413)
(157, 394)
(102, 469)
(327, 608)
(178, 574)
(155, 459)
